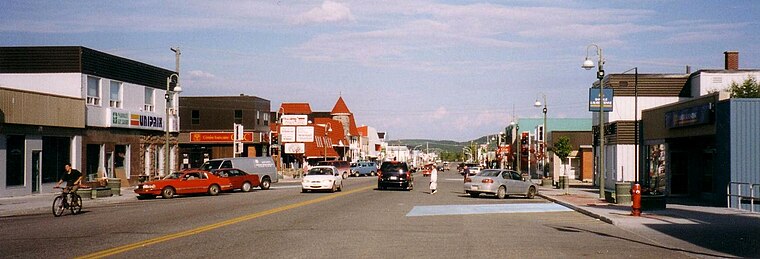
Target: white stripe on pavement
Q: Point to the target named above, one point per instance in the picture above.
(436, 210)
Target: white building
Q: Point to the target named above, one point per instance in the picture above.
(104, 114)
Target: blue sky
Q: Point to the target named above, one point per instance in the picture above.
(415, 69)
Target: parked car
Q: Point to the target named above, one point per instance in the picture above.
(262, 166)
(185, 182)
(322, 178)
(364, 169)
(344, 167)
(394, 174)
(501, 183)
(474, 168)
(239, 178)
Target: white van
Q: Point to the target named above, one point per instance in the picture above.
(263, 166)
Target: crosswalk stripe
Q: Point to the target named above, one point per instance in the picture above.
(436, 210)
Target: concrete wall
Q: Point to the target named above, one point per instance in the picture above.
(64, 84)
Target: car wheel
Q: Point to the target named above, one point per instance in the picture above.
(304, 190)
(213, 190)
(501, 193)
(372, 173)
(265, 183)
(474, 194)
(334, 187)
(345, 175)
(340, 188)
(246, 187)
(167, 192)
(531, 192)
(356, 174)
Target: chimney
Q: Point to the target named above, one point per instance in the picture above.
(688, 69)
(732, 60)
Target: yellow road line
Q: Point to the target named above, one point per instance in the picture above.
(152, 241)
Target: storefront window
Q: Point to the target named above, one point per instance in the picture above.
(656, 180)
(15, 163)
(56, 151)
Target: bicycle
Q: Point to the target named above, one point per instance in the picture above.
(61, 202)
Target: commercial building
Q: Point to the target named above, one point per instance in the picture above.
(102, 113)
(207, 124)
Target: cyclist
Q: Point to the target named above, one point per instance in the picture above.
(72, 177)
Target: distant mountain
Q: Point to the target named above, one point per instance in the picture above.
(438, 146)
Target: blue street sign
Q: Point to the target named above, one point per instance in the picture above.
(594, 99)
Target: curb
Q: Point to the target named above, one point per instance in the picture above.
(579, 209)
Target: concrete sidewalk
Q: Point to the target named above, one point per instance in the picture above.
(43, 202)
(698, 231)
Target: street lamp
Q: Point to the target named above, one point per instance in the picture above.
(168, 96)
(635, 121)
(588, 65)
(279, 138)
(543, 137)
(328, 129)
(517, 135)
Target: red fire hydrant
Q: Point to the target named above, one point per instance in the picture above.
(636, 197)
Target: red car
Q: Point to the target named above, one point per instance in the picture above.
(185, 182)
(239, 178)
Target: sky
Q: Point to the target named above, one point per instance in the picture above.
(447, 70)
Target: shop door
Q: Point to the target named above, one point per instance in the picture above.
(36, 172)
(679, 174)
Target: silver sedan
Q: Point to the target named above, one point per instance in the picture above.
(501, 183)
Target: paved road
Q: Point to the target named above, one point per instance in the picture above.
(358, 222)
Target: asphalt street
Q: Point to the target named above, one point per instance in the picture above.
(358, 222)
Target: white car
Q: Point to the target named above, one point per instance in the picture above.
(322, 178)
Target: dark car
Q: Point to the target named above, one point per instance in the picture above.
(394, 174)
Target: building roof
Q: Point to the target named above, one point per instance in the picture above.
(334, 138)
(295, 108)
(363, 130)
(340, 107)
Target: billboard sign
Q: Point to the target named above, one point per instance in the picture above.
(305, 134)
(594, 99)
(294, 120)
(288, 134)
(294, 148)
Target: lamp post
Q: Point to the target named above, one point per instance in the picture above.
(588, 65)
(543, 135)
(279, 137)
(328, 129)
(635, 121)
(517, 136)
(168, 96)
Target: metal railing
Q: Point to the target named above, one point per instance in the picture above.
(739, 197)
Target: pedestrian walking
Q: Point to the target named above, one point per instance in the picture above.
(466, 172)
(433, 180)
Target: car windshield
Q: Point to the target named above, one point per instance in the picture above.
(211, 165)
(175, 175)
(320, 171)
(489, 173)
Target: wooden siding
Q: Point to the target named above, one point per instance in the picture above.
(76, 59)
(660, 85)
(28, 108)
(621, 133)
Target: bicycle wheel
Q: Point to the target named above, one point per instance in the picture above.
(58, 206)
(76, 204)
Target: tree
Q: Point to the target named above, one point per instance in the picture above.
(562, 149)
(749, 89)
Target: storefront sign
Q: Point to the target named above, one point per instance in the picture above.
(288, 134)
(305, 134)
(594, 99)
(218, 137)
(294, 120)
(697, 115)
(294, 148)
(134, 120)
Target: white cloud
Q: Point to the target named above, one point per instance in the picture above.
(440, 113)
(198, 74)
(329, 11)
